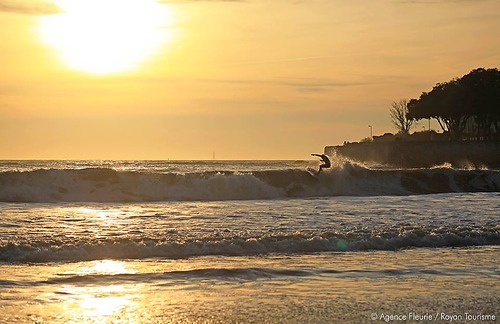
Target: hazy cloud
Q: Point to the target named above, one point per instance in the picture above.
(29, 7)
(310, 85)
(187, 1)
(47, 7)
(436, 1)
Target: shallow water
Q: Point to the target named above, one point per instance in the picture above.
(312, 288)
(313, 259)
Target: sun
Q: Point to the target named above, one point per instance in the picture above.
(107, 36)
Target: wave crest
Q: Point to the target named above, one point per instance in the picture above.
(108, 185)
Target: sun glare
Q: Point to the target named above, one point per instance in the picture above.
(107, 36)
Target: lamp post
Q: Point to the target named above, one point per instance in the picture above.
(371, 132)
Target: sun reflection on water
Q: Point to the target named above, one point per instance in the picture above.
(98, 299)
(106, 267)
(99, 302)
(103, 217)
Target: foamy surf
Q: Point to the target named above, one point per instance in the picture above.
(174, 247)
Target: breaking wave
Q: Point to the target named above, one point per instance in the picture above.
(108, 185)
(391, 239)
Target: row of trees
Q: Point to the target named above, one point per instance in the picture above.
(466, 107)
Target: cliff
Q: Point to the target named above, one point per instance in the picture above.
(413, 154)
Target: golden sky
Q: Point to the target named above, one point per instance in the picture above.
(252, 79)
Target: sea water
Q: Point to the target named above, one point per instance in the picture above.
(246, 242)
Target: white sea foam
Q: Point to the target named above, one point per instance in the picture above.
(147, 247)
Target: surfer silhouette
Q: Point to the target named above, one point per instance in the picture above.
(326, 162)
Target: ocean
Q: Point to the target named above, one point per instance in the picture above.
(247, 242)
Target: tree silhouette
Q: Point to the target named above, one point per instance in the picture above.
(453, 103)
(399, 116)
(482, 87)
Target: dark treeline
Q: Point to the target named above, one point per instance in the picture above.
(465, 108)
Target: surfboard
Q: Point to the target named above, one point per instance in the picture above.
(312, 172)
